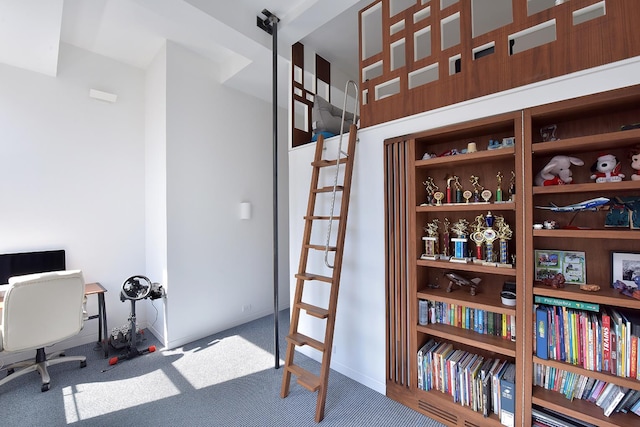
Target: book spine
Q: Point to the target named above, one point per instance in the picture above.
(633, 363)
(606, 342)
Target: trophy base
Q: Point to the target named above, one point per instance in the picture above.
(445, 257)
(478, 261)
(504, 265)
(460, 260)
(489, 264)
(430, 257)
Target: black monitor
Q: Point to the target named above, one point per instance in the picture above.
(30, 262)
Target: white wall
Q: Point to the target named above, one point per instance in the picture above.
(218, 154)
(360, 324)
(72, 170)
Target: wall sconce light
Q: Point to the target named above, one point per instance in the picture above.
(245, 210)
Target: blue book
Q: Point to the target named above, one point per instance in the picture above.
(542, 327)
(507, 397)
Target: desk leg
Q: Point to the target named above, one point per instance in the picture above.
(103, 339)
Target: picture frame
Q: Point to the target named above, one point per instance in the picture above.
(624, 267)
(572, 265)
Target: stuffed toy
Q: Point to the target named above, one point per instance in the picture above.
(606, 169)
(635, 163)
(557, 171)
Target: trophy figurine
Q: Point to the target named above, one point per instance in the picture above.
(431, 188)
(490, 236)
(431, 250)
(477, 188)
(512, 187)
(504, 235)
(446, 239)
(499, 176)
(460, 242)
(478, 238)
(456, 183)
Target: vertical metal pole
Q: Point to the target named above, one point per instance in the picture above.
(274, 22)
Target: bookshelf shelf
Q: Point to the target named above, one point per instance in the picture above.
(581, 409)
(487, 298)
(606, 296)
(468, 158)
(463, 336)
(601, 188)
(468, 207)
(621, 381)
(603, 141)
(589, 234)
(470, 267)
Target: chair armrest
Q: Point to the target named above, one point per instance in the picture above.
(4, 289)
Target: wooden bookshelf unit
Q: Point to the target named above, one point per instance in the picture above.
(585, 127)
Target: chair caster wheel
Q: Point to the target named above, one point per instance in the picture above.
(45, 387)
(83, 364)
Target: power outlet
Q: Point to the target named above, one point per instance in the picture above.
(246, 308)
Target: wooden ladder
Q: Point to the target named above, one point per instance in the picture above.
(308, 380)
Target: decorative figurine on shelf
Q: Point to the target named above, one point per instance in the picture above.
(606, 169)
(460, 242)
(478, 237)
(512, 187)
(431, 188)
(628, 290)
(458, 186)
(548, 133)
(557, 171)
(490, 235)
(634, 156)
(457, 280)
(431, 240)
(555, 281)
(499, 176)
(477, 188)
(446, 239)
(504, 235)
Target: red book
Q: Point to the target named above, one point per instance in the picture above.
(633, 371)
(606, 342)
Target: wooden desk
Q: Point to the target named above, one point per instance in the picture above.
(103, 336)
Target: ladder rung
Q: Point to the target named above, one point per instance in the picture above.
(327, 163)
(308, 276)
(314, 311)
(328, 189)
(300, 339)
(305, 378)
(321, 218)
(321, 247)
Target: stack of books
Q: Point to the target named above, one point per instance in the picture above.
(596, 338)
(475, 319)
(543, 417)
(483, 384)
(611, 397)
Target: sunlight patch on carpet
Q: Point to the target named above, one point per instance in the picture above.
(223, 362)
(80, 401)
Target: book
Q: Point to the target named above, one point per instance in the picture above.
(633, 360)
(542, 346)
(606, 341)
(616, 396)
(560, 302)
(507, 398)
(625, 400)
(604, 394)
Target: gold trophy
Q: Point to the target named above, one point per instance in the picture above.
(478, 238)
(431, 240)
(504, 235)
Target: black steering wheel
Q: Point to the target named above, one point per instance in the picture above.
(136, 288)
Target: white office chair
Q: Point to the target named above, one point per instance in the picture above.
(41, 310)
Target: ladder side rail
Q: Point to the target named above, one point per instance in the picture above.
(352, 130)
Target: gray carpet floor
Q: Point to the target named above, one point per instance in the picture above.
(227, 379)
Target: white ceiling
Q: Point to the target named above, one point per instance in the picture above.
(133, 31)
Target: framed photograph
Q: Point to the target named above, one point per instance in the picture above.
(571, 264)
(625, 266)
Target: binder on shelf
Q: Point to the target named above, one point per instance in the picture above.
(507, 397)
(542, 343)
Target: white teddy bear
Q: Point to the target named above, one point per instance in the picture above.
(606, 169)
(557, 171)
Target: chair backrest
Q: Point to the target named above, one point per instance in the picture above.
(42, 309)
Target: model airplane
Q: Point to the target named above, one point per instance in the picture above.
(587, 205)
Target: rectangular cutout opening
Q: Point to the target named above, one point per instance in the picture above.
(422, 14)
(297, 74)
(372, 71)
(387, 89)
(372, 31)
(398, 59)
(423, 76)
(455, 64)
(446, 3)
(397, 6)
(535, 6)
(532, 37)
(588, 13)
(422, 43)
(300, 116)
(484, 50)
(397, 27)
(450, 31)
(365, 97)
